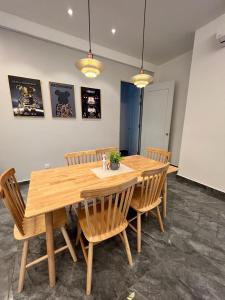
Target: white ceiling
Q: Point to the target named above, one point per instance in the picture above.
(170, 24)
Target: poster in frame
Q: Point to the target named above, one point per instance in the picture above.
(26, 96)
(91, 103)
(62, 100)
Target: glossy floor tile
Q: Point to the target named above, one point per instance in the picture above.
(186, 262)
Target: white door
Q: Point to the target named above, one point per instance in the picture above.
(157, 112)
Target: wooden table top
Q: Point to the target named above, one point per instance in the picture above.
(52, 189)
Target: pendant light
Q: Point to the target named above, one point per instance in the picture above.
(89, 66)
(142, 79)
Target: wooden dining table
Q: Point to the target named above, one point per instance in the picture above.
(55, 188)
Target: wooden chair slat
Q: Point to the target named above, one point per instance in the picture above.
(106, 151)
(148, 182)
(119, 220)
(86, 207)
(158, 154)
(114, 211)
(109, 213)
(130, 192)
(95, 229)
(102, 215)
(80, 157)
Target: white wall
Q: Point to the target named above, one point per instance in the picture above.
(28, 143)
(202, 156)
(177, 69)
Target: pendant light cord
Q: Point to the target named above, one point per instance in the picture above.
(89, 26)
(143, 38)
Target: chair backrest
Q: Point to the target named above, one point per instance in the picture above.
(81, 157)
(158, 154)
(1, 193)
(152, 184)
(106, 151)
(13, 199)
(106, 208)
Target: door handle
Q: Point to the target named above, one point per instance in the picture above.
(167, 134)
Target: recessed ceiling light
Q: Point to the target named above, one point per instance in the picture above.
(70, 12)
(113, 30)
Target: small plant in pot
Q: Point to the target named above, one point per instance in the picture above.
(115, 158)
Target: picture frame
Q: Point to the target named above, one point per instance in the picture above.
(91, 103)
(26, 96)
(62, 100)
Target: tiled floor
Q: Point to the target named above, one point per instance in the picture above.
(186, 262)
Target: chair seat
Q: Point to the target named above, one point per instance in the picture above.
(135, 202)
(36, 225)
(98, 230)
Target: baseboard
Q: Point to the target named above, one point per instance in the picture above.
(206, 189)
(174, 165)
(22, 182)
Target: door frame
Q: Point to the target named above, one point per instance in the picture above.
(140, 114)
(157, 86)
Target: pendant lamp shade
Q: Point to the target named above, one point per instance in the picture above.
(89, 66)
(142, 79)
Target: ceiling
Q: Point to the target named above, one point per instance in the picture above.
(170, 24)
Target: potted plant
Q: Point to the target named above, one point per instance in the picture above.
(115, 158)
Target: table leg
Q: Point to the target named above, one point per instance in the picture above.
(164, 192)
(50, 248)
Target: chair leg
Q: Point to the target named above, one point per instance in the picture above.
(122, 239)
(160, 219)
(138, 232)
(78, 233)
(89, 268)
(23, 266)
(83, 249)
(68, 242)
(164, 194)
(127, 247)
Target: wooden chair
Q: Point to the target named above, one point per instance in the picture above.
(26, 228)
(164, 157)
(158, 154)
(106, 151)
(104, 219)
(81, 157)
(147, 197)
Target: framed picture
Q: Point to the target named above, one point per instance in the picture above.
(26, 96)
(91, 103)
(62, 99)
